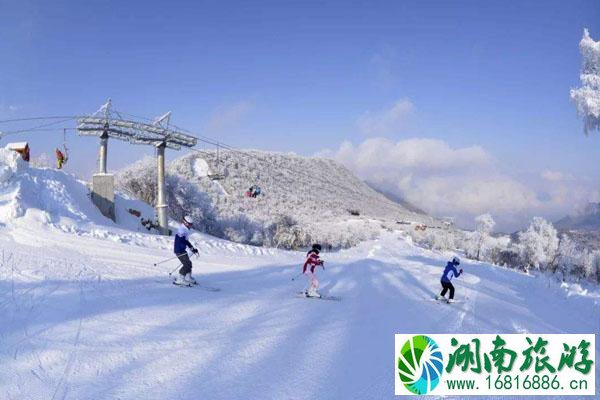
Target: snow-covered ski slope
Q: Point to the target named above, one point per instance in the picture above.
(85, 314)
(85, 317)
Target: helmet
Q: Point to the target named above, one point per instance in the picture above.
(316, 246)
(455, 260)
(188, 220)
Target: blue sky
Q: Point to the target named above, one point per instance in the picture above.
(305, 76)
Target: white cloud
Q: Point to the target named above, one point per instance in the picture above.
(392, 120)
(555, 176)
(229, 117)
(414, 154)
(462, 182)
(470, 194)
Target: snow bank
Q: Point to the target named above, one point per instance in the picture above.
(45, 196)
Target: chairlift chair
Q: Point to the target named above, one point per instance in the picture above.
(60, 161)
(218, 175)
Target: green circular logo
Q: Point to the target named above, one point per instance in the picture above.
(420, 364)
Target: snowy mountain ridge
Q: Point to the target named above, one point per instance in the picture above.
(586, 218)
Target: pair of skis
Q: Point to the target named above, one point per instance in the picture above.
(444, 300)
(199, 286)
(195, 284)
(303, 295)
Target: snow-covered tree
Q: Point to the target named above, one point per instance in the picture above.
(538, 244)
(587, 265)
(183, 198)
(587, 97)
(481, 239)
(590, 265)
(596, 265)
(438, 239)
(139, 180)
(567, 256)
(288, 234)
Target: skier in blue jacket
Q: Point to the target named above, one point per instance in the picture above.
(449, 273)
(181, 244)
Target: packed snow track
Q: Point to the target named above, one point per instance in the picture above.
(86, 315)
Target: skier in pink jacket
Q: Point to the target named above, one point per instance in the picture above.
(312, 261)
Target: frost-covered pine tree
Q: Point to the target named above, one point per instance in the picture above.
(587, 97)
(538, 244)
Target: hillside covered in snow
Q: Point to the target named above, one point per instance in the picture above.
(302, 199)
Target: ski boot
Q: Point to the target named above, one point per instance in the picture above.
(189, 278)
(450, 301)
(182, 281)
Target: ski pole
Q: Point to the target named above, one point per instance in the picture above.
(176, 268)
(168, 259)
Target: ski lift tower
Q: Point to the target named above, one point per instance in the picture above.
(106, 123)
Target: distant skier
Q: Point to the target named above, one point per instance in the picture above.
(449, 273)
(312, 261)
(181, 244)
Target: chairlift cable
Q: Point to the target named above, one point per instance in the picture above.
(70, 117)
(38, 127)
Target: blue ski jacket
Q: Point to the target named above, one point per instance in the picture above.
(450, 272)
(181, 240)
